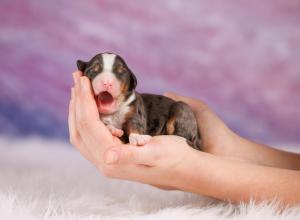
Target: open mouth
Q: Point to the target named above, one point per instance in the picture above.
(106, 103)
(105, 98)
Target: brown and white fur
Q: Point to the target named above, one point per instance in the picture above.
(131, 116)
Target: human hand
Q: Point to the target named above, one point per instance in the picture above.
(216, 137)
(160, 162)
(157, 163)
(91, 137)
(168, 162)
(87, 132)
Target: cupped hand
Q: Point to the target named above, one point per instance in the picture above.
(169, 162)
(165, 160)
(159, 163)
(86, 131)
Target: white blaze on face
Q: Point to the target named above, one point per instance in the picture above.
(106, 80)
(108, 62)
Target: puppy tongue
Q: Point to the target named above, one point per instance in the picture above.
(105, 98)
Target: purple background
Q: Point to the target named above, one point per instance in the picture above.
(241, 57)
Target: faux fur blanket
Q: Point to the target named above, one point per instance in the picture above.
(49, 180)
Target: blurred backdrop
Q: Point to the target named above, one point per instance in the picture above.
(241, 57)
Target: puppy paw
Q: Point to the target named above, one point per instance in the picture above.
(139, 139)
(115, 131)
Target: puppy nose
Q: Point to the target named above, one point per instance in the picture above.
(107, 85)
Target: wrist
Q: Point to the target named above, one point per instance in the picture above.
(205, 174)
(192, 175)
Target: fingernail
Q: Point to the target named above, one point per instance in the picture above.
(111, 157)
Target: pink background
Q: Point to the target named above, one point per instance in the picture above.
(241, 57)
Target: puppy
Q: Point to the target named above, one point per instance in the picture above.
(129, 115)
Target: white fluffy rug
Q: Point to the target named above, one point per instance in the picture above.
(46, 180)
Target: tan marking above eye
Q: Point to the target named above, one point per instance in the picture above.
(97, 67)
(120, 68)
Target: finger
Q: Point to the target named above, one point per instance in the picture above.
(75, 138)
(132, 172)
(127, 154)
(76, 75)
(73, 134)
(86, 98)
(93, 132)
(88, 111)
(135, 172)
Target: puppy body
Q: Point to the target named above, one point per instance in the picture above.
(159, 115)
(132, 116)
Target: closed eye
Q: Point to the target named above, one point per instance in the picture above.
(97, 67)
(120, 69)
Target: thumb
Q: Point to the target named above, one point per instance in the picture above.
(126, 154)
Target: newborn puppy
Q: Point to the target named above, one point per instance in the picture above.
(131, 116)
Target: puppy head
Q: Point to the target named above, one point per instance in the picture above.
(111, 79)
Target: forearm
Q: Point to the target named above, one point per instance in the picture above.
(264, 155)
(238, 182)
(219, 140)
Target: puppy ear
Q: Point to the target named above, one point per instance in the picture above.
(81, 65)
(133, 82)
